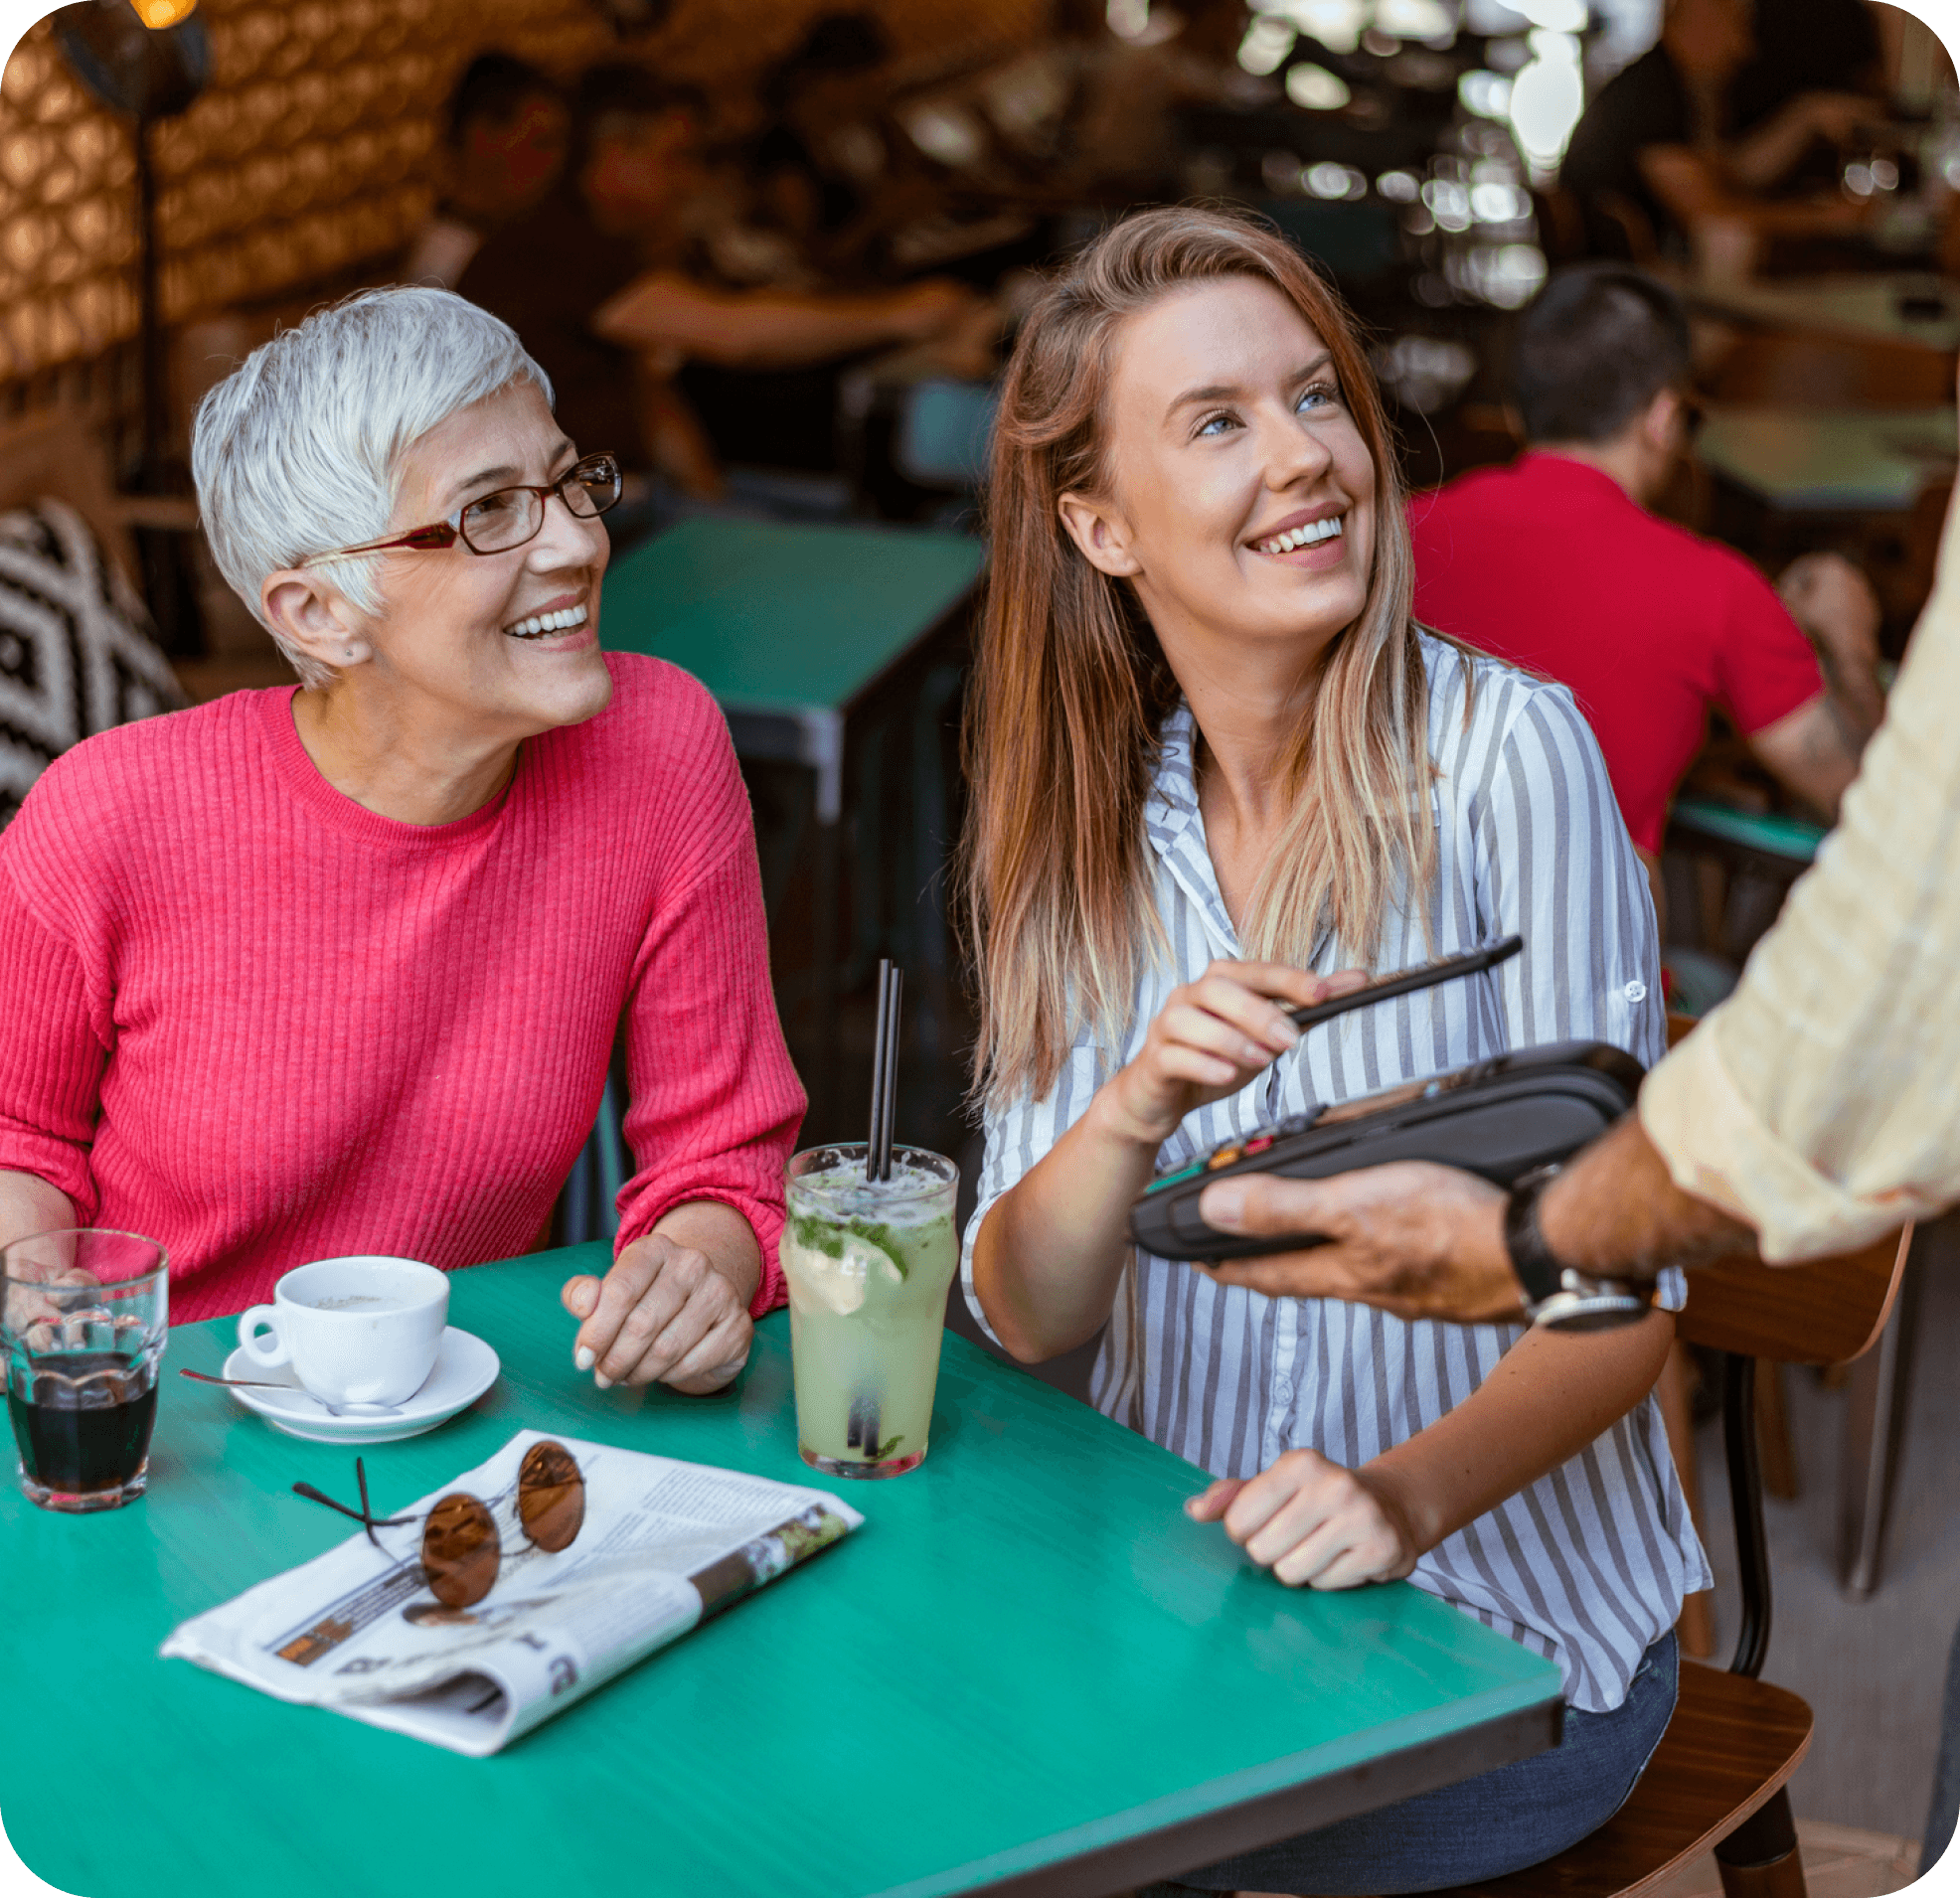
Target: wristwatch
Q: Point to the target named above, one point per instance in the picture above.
(1560, 1297)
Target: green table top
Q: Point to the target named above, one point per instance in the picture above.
(774, 617)
(1877, 460)
(1027, 1652)
(1771, 832)
(1861, 305)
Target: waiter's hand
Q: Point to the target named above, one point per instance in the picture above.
(665, 1314)
(1414, 1238)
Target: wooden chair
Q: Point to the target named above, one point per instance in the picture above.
(1717, 1778)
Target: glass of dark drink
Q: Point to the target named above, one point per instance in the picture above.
(83, 1318)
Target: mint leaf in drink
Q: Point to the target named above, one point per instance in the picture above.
(832, 1236)
(816, 1236)
(886, 1240)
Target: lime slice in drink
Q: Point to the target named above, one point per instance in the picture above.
(835, 1279)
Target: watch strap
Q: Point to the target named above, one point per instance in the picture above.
(1559, 1297)
(1538, 1272)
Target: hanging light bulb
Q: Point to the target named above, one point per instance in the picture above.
(158, 14)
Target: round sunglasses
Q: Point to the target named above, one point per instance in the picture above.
(462, 1549)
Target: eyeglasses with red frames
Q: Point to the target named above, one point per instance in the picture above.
(496, 523)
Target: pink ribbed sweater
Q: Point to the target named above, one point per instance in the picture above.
(251, 1019)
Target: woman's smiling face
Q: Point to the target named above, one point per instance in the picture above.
(506, 641)
(1241, 497)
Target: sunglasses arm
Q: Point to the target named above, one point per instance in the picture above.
(368, 1520)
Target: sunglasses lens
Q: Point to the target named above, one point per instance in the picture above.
(551, 1496)
(460, 1551)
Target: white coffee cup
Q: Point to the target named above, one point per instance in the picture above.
(358, 1332)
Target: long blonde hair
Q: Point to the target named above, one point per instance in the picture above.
(1071, 689)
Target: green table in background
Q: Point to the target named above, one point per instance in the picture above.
(792, 628)
(1026, 1674)
(1785, 841)
(1830, 460)
(1860, 306)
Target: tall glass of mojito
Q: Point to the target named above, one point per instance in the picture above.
(868, 1262)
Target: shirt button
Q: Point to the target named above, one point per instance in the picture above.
(1635, 991)
(1283, 1390)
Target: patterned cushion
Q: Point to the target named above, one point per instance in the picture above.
(76, 654)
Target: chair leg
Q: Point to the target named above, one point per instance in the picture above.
(1761, 1858)
(1696, 1628)
(1779, 1456)
(1875, 1415)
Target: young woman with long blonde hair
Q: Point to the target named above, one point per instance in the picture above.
(1214, 766)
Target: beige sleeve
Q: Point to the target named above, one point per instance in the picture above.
(1821, 1102)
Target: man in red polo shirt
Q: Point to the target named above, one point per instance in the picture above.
(1554, 563)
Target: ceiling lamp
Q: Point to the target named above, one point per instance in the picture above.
(159, 14)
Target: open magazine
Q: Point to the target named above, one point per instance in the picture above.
(663, 1546)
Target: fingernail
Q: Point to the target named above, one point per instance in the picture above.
(1224, 1206)
(603, 1380)
(1288, 1033)
(584, 1358)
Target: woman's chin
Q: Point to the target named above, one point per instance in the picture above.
(567, 685)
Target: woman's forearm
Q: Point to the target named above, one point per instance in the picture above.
(1760, 159)
(762, 329)
(1049, 1252)
(29, 1205)
(1550, 1396)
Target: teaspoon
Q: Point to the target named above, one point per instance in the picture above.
(253, 1383)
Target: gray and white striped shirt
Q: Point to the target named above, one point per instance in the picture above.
(1587, 1566)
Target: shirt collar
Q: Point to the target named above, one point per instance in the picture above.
(1175, 828)
(1547, 464)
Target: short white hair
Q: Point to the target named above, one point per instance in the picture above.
(299, 449)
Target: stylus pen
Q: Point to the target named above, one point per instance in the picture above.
(1427, 977)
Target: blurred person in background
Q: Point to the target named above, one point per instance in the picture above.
(1727, 110)
(502, 147)
(602, 281)
(818, 163)
(1652, 626)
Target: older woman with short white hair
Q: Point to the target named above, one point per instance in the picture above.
(338, 968)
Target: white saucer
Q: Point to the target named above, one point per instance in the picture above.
(465, 1367)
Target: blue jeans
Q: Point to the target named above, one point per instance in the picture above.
(1497, 1822)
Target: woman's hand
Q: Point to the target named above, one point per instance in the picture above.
(663, 1313)
(1312, 1523)
(1213, 1035)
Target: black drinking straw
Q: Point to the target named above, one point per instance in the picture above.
(890, 1074)
(883, 1072)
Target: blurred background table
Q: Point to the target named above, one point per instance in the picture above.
(806, 636)
(1027, 1673)
(1912, 307)
(1803, 460)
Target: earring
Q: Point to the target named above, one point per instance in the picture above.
(350, 654)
